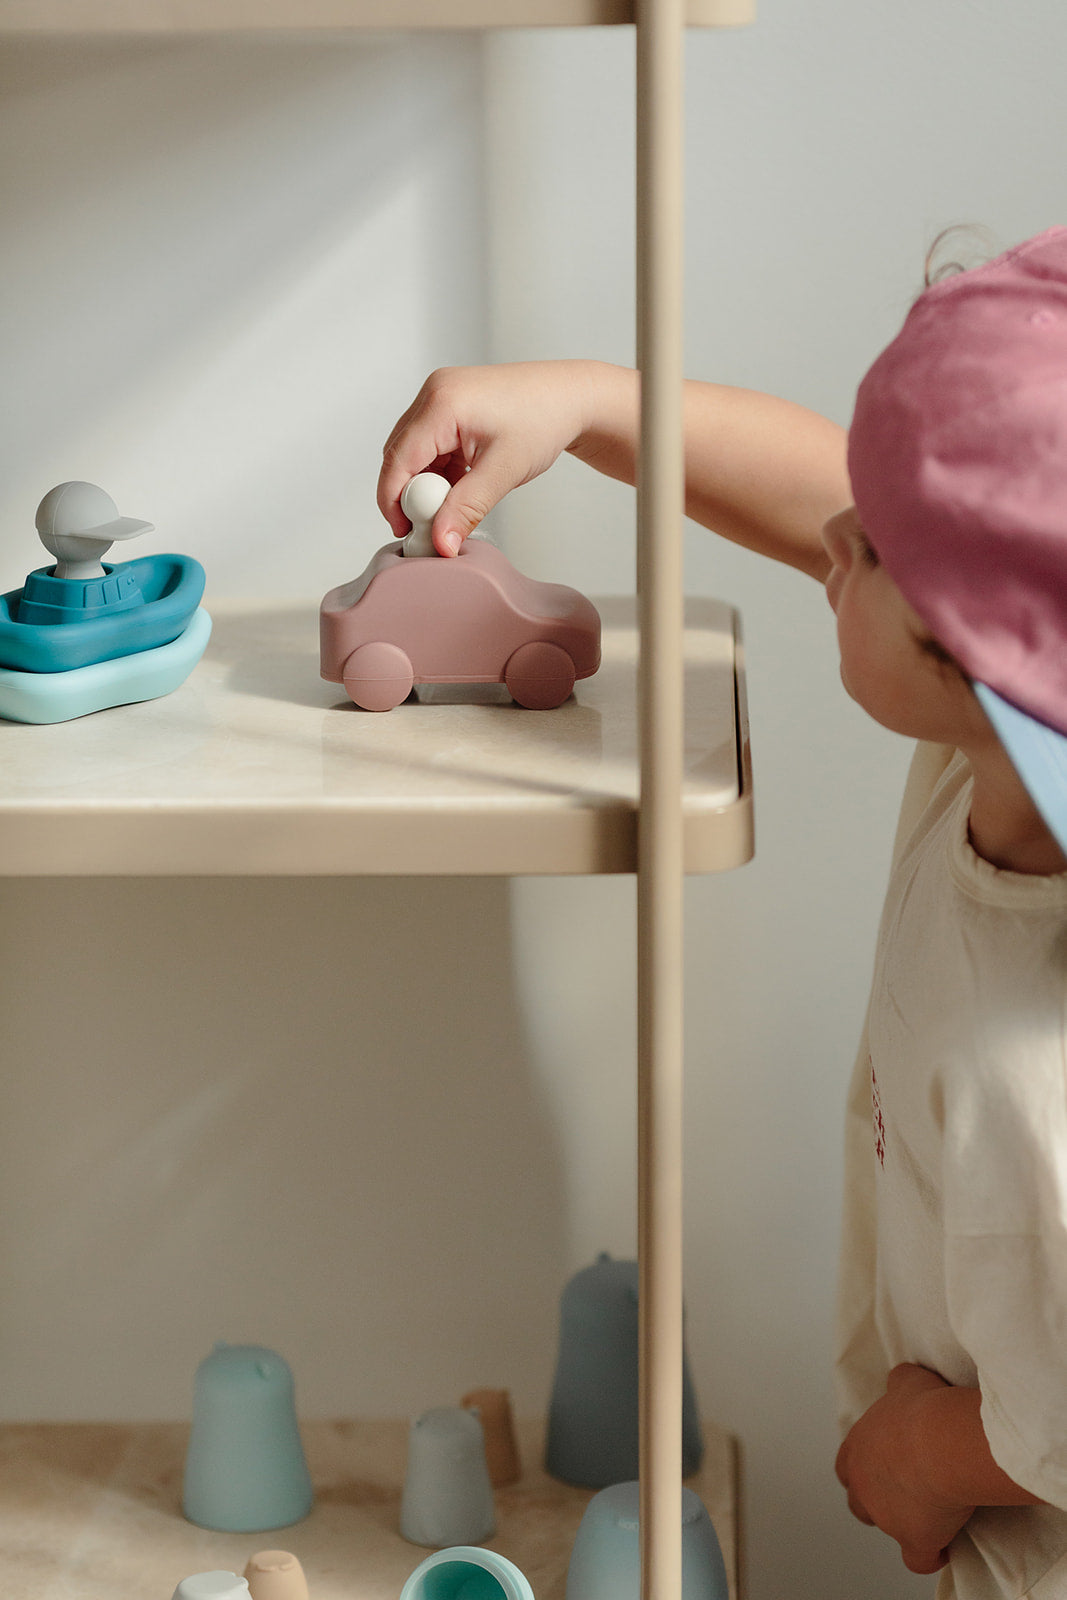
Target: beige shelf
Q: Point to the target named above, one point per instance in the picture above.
(230, 16)
(92, 1512)
(256, 766)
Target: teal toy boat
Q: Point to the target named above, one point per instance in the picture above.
(81, 635)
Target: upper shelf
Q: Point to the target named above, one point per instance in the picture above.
(227, 16)
(255, 766)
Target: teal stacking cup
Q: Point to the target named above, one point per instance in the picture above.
(465, 1572)
(245, 1470)
(606, 1559)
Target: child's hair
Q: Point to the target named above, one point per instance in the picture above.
(970, 241)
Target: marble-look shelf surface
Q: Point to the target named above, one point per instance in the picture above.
(92, 1512)
(256, 766)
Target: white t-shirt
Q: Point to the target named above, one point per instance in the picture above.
(955, 1240)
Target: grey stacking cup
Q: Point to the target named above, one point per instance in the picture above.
(447, 1499)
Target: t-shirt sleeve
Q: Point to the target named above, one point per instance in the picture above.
(1017, 1336)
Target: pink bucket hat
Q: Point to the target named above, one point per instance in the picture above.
(958, 458)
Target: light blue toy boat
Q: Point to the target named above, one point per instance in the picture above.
(81, 636)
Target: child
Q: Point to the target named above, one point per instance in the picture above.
(947, 571)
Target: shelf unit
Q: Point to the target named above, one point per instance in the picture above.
(651, 810)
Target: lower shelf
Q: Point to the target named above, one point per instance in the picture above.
(91, 1511)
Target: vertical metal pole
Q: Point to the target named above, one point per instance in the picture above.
(660, 882)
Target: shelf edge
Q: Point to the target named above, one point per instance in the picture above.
(167, 17)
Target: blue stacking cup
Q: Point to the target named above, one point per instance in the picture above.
(606, 1559)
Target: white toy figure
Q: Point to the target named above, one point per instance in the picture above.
(78, 523)
(421, 500)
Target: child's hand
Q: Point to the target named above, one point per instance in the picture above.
(487, 430)
(883, 1466)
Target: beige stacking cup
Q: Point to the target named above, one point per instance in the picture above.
(501, 1451)
(276, 1575)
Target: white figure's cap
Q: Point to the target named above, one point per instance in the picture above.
(211, 1586)
(421, 500)
(82, 511)
(77, 523)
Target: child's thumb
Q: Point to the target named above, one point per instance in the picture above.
(470, 500)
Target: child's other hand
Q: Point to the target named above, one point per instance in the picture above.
(882, 1466)
(485, 429)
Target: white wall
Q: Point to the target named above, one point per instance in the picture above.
(226, 263)
(225, 268)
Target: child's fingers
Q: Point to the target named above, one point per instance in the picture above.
(920, 1558)
(473, 496)
(910, 1378)
(468, 426)
(404, 456)
(425, 439)
(855, 1504)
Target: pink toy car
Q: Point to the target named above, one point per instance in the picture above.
(470, 618)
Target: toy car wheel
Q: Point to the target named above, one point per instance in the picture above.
(377, 676)
(539, 675)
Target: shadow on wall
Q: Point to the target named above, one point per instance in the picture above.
(291, 1112)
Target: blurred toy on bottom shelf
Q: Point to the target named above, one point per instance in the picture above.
(82, 635)
(593, 1414)
(416, 617)
(269, 1575)
(447, 1499)
(245, 1469)
(493, 1407)
(605, 1561)
(275, 1575)
(467, 1573)
(216, 1585)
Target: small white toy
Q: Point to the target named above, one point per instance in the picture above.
(422, 499)
(211, 1586)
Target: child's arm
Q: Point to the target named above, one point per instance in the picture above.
(917, 1464)
(759, 470)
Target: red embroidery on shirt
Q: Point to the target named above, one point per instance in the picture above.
(879, 1124)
